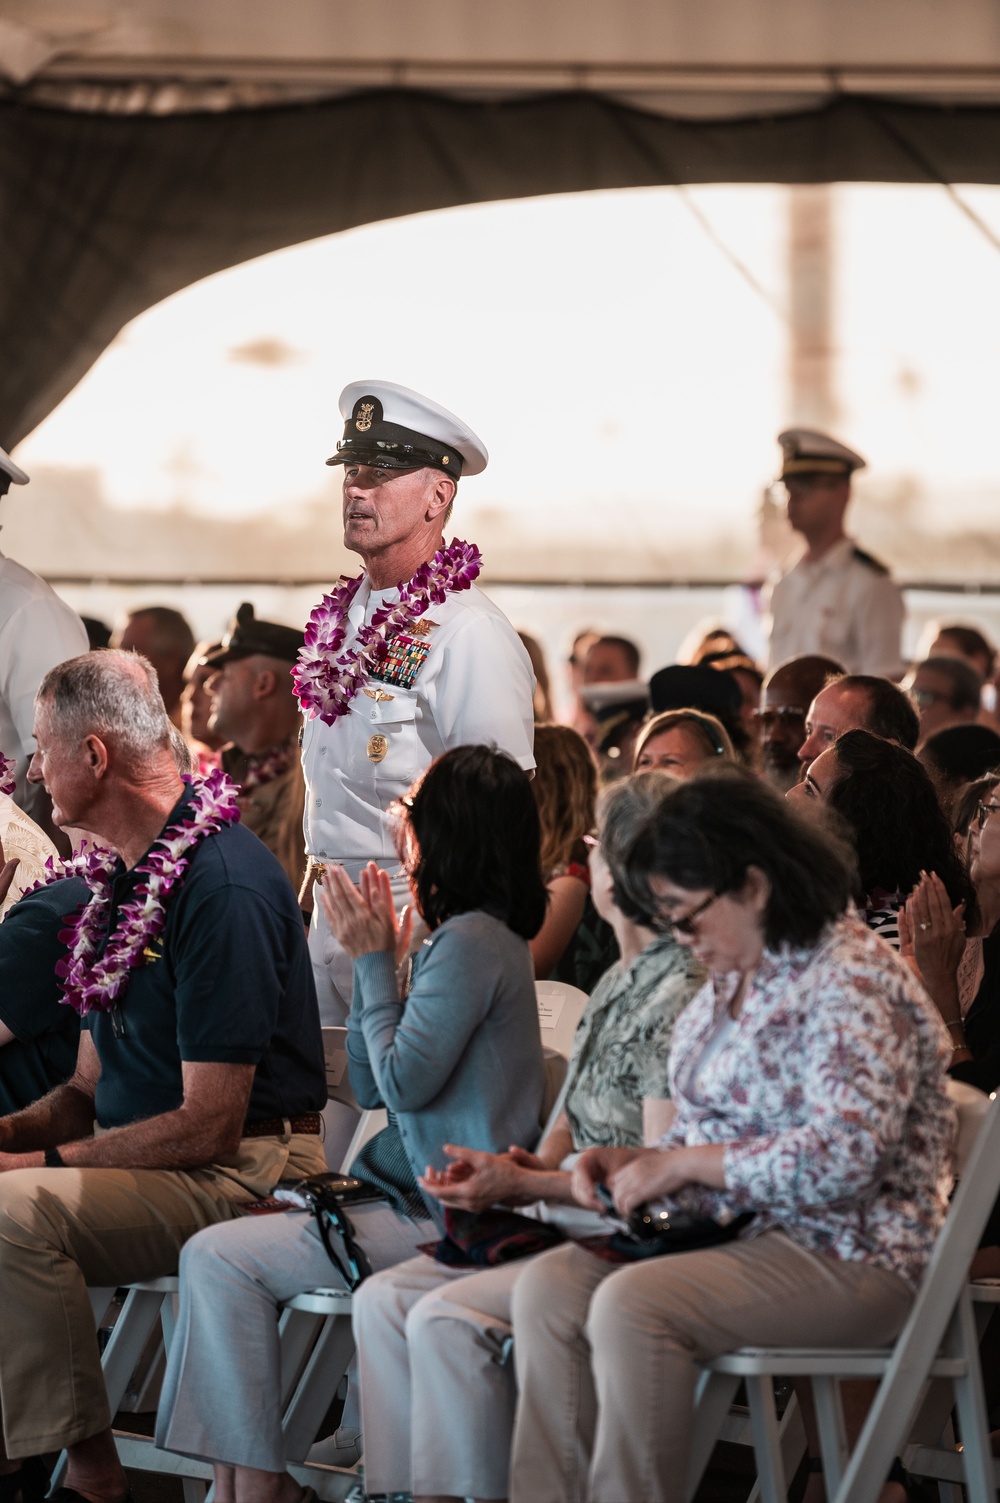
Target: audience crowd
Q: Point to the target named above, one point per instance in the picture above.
(696, 850)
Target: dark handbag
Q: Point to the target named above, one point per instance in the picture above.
(649, 1236)
(483, 1239)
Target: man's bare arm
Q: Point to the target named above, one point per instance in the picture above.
(64, 1114)
(207, 1126)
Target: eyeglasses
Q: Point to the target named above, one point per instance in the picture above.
(983, 812)
(924, 698)
(686, 923)
(779, 715)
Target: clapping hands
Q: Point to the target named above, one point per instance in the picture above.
(363, 918)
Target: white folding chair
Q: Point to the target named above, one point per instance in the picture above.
(938, 1341)
(560, 1008)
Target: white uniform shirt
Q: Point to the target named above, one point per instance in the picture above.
(37, 631)
(842, 607)
(474, 686)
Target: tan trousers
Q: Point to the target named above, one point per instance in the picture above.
(64, 1229)
(437, 1380)
(605, 1356)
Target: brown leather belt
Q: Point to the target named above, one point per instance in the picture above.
(278, 1127)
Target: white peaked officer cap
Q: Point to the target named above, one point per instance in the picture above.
(10, 473)
(806, 452)
(398, 429)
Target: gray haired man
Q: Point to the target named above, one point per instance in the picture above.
(199, 1078)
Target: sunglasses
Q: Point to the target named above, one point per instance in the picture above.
(358, 1267)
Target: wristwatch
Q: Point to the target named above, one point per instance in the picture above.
(54, 1159)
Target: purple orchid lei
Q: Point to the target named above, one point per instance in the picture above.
(88, 982)
(326, 678)
(7, 779)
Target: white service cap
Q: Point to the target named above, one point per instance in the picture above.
(398, 429)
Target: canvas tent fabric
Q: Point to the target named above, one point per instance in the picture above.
(105, 214)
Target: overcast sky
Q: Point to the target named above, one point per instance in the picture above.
(615, 362)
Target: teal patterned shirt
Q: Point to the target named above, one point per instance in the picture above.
(622, 1044)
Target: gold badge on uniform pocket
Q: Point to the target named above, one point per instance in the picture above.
(377, 747)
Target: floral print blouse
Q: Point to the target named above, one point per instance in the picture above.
(830, 1094)
(621, 1047)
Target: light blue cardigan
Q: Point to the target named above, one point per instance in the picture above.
(462, 1061)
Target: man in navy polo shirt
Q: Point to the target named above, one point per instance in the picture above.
(199, 1077)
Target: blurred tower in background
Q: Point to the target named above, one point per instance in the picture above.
(811, 391)
(812, 377)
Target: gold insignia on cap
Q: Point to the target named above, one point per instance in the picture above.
(377, 747)
(363, 421)
(378, 695)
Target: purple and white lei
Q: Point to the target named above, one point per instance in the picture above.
(7, 780)
(88, 981)
(326, 678)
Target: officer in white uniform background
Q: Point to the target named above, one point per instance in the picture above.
(37, 631)
(459, 676)
(836, 601)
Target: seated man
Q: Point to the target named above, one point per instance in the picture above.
(199, 1077)
(254, 708)
(859, 702)
(39, 1034)
(785, 697)
(945, 691)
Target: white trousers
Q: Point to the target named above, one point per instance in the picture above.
(221, 1398)
(333, 973)
(437, 1378)
(333, 968)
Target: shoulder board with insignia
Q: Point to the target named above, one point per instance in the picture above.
(872, 563)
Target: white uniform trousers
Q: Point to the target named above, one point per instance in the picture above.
(333, 972)
(333, 968)
(437, 1378)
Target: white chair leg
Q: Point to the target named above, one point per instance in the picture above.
(766, 1443)
(970, 1402)
(713, 1397)
(832, 1434)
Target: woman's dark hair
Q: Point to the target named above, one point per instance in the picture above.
(707, 833)
(471, 840)
(898, 826)
(969, 800)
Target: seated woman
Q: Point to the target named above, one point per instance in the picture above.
(895, 821)
(967, 996)
(428, 1335)
(681, 742)
(460, 1060)
(809, 1080)
(574, 944)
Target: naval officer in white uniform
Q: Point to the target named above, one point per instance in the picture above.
(836, 601)
(38, 630)
(455, 675)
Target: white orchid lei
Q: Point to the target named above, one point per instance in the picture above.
(8, 782)
(327, 679)
(90, 982)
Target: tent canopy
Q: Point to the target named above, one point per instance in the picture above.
(145, 144)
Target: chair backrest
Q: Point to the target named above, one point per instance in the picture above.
(560, 1008)
(943, 1284)
(369, 1123)
(972, 1106)
(338, 1081)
